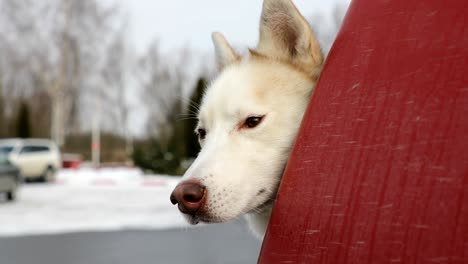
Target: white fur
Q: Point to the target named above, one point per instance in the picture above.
(241, 167)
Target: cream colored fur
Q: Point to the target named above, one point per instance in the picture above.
(241, 167)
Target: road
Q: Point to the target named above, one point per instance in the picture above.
(113, 217)
(212, 244)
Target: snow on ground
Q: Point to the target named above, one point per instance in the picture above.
(92, 200)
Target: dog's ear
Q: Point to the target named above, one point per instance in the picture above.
(286, 35)
(225, 54)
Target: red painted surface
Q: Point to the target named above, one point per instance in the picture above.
(71, 164)
(71, 161)
(379, 173)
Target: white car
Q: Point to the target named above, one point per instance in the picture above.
(35, 158)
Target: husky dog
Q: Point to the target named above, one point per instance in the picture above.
(249, 119)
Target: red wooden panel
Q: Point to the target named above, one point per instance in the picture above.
(379, 173)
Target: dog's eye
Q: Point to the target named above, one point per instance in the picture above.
(201, 133)
(253, 121)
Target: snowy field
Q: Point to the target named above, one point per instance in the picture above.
(92, 200)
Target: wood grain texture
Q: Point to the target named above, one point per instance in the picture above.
(379, 172)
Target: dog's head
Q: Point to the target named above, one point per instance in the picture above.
(249, 118)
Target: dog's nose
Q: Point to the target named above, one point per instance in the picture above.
(189, 196)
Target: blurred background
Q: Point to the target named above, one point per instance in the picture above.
(98, 102)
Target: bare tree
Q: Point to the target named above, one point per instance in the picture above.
(54, 46)
(164, 83)
(115, 72)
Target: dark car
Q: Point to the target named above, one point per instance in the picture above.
(9, 178)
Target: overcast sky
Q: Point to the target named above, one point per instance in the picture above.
(177, 23)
